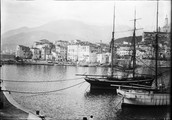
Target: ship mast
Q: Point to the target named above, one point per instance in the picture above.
(134, 46)
(156, 49)
(112, 43)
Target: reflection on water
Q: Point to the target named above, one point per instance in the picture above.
(72, 103)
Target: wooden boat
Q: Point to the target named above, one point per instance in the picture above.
(144, 98)
(106, 81)
(153, 97)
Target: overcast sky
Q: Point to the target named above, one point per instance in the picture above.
(32, 13)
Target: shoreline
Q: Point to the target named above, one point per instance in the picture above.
(121, 63)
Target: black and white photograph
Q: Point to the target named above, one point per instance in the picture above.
(85, 60)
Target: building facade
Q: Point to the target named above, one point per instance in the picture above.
(36, 53)
(72, 52)
(45, 47)
(23, 52)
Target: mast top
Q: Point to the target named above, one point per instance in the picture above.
(114, 20)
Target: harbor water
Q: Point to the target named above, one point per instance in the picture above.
(59, 94)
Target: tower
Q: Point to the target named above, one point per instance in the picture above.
(166, 26)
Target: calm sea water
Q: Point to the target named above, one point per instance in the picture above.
(72, 103)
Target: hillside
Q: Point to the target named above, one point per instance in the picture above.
(60, 30)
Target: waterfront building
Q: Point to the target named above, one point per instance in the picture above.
(93, 57)
(81, 51)
(103, 58)
(45, 51)
(56, 56)
(45, 47)
(86, 52)
(62, 52)
(23, 52)
(49, 57)
(72, 52)
(36, 53)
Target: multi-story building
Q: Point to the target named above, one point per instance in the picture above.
(72, 52)
(62, 52)
(61, 49)
(93, 58)
(81, 51)
(23, 52)
(45, 47)
(36, 53)
(44, 52)
(56, 56)
(103, 58)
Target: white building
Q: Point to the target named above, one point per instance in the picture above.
(44, 52)
(82, 52)
(72, 52)
(103, 58)
(62, 52)
(36, 53)
(45, 47)
(93, 58)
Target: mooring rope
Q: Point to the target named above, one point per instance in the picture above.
(44, 92)
(41, 80)
(119, 102)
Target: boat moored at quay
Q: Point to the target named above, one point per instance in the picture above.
(156, 96)
(132, 78)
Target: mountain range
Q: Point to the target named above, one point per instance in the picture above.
(61, 30)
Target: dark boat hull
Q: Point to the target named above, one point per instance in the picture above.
(106, 83)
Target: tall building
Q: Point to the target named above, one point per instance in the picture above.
(81, 51)
(72, 52)
(62, 52)
(36, 53)
(45, 47)
(61, 49)
(166, 27)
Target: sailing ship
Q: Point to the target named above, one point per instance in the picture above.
(112, 81)
(152, 97)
